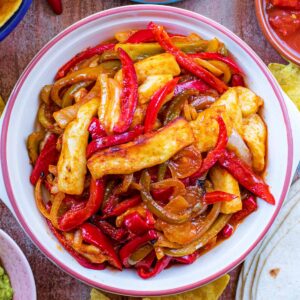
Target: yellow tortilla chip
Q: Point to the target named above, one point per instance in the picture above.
(2, 105)
(211, 291)
(288, 76)
(97, 295)
(7, 9)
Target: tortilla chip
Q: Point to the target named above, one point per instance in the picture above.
(211, 291)
(97, 295)
(2, 105)
(288, 76)
(7, 9)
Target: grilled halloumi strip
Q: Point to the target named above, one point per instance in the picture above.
(151, 85)
(223, 181)
(154, 65)
(147, 151)
(255, 135)
(248, 101)
(206, 128)
(72, 161)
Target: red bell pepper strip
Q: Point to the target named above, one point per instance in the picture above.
(159, 266)
(73, 218)
(80, 259)
(134, 244)
(295, 4)
(93, 235)
(217, 56)
(156, 102)
(187, 259)
(117, 234)
(196, 84)
(226, 232)
(147, 262)
(113, 140)
(213, 155)
(162, 195)
(184, 60)
(217, 196)
(237, 80)
(145, 35)
(96, 130)
(48, 156)
(136, 224)
(245, 176)
(85, 54)
(249, 206)
(123, 206)
(129, 94)
(56, 6)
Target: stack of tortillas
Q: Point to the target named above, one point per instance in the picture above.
(272, 270)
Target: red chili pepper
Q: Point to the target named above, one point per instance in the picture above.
(73, 218)
(96, 130)
(162, 195)
(134, 244)
(237, 80)
(156, 102)
(249, 206)
(145, 35)
(218, 196)
(187, 259)
(196, 84)
(117, 234)
(56, 6)
(213, 155)
(147, 262)
(226, 232)
(109, 205)
(136, 224)
(89, 52)
(80, 259)
(124, 206)
(217, 56)
(245, 176)
(48, 156)
(129, 94)
(93, 235)
(113, 140)
(160, 266)
(184, 60)
(74, 203)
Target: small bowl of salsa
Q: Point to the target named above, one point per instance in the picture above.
(280, 23)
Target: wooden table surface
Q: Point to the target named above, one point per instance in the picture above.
(36, 29)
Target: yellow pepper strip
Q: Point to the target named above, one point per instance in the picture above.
(45, 93)
(210, 67)
(224, 68)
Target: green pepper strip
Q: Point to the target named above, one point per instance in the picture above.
(69, 94)
(205, 238)
(33, 144)
(155, 208)
(162, 169)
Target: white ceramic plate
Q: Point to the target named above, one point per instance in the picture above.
(19, 119)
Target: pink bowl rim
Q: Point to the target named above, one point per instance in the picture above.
(137, 8)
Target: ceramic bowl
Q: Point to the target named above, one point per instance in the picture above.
(19, 121)
(285, 50)
(17, 268)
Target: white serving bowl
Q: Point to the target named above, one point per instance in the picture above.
(19, 121)
(17, 268)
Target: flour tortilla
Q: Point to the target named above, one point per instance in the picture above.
(245, 287)
(7, 9)
(285, 257)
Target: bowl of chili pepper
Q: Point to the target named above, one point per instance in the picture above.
(280, 23)
(96, 247)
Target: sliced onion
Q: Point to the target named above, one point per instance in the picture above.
(237, 145)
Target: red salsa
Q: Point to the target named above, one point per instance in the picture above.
(284, 18)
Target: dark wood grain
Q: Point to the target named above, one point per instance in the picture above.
(36, 29)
